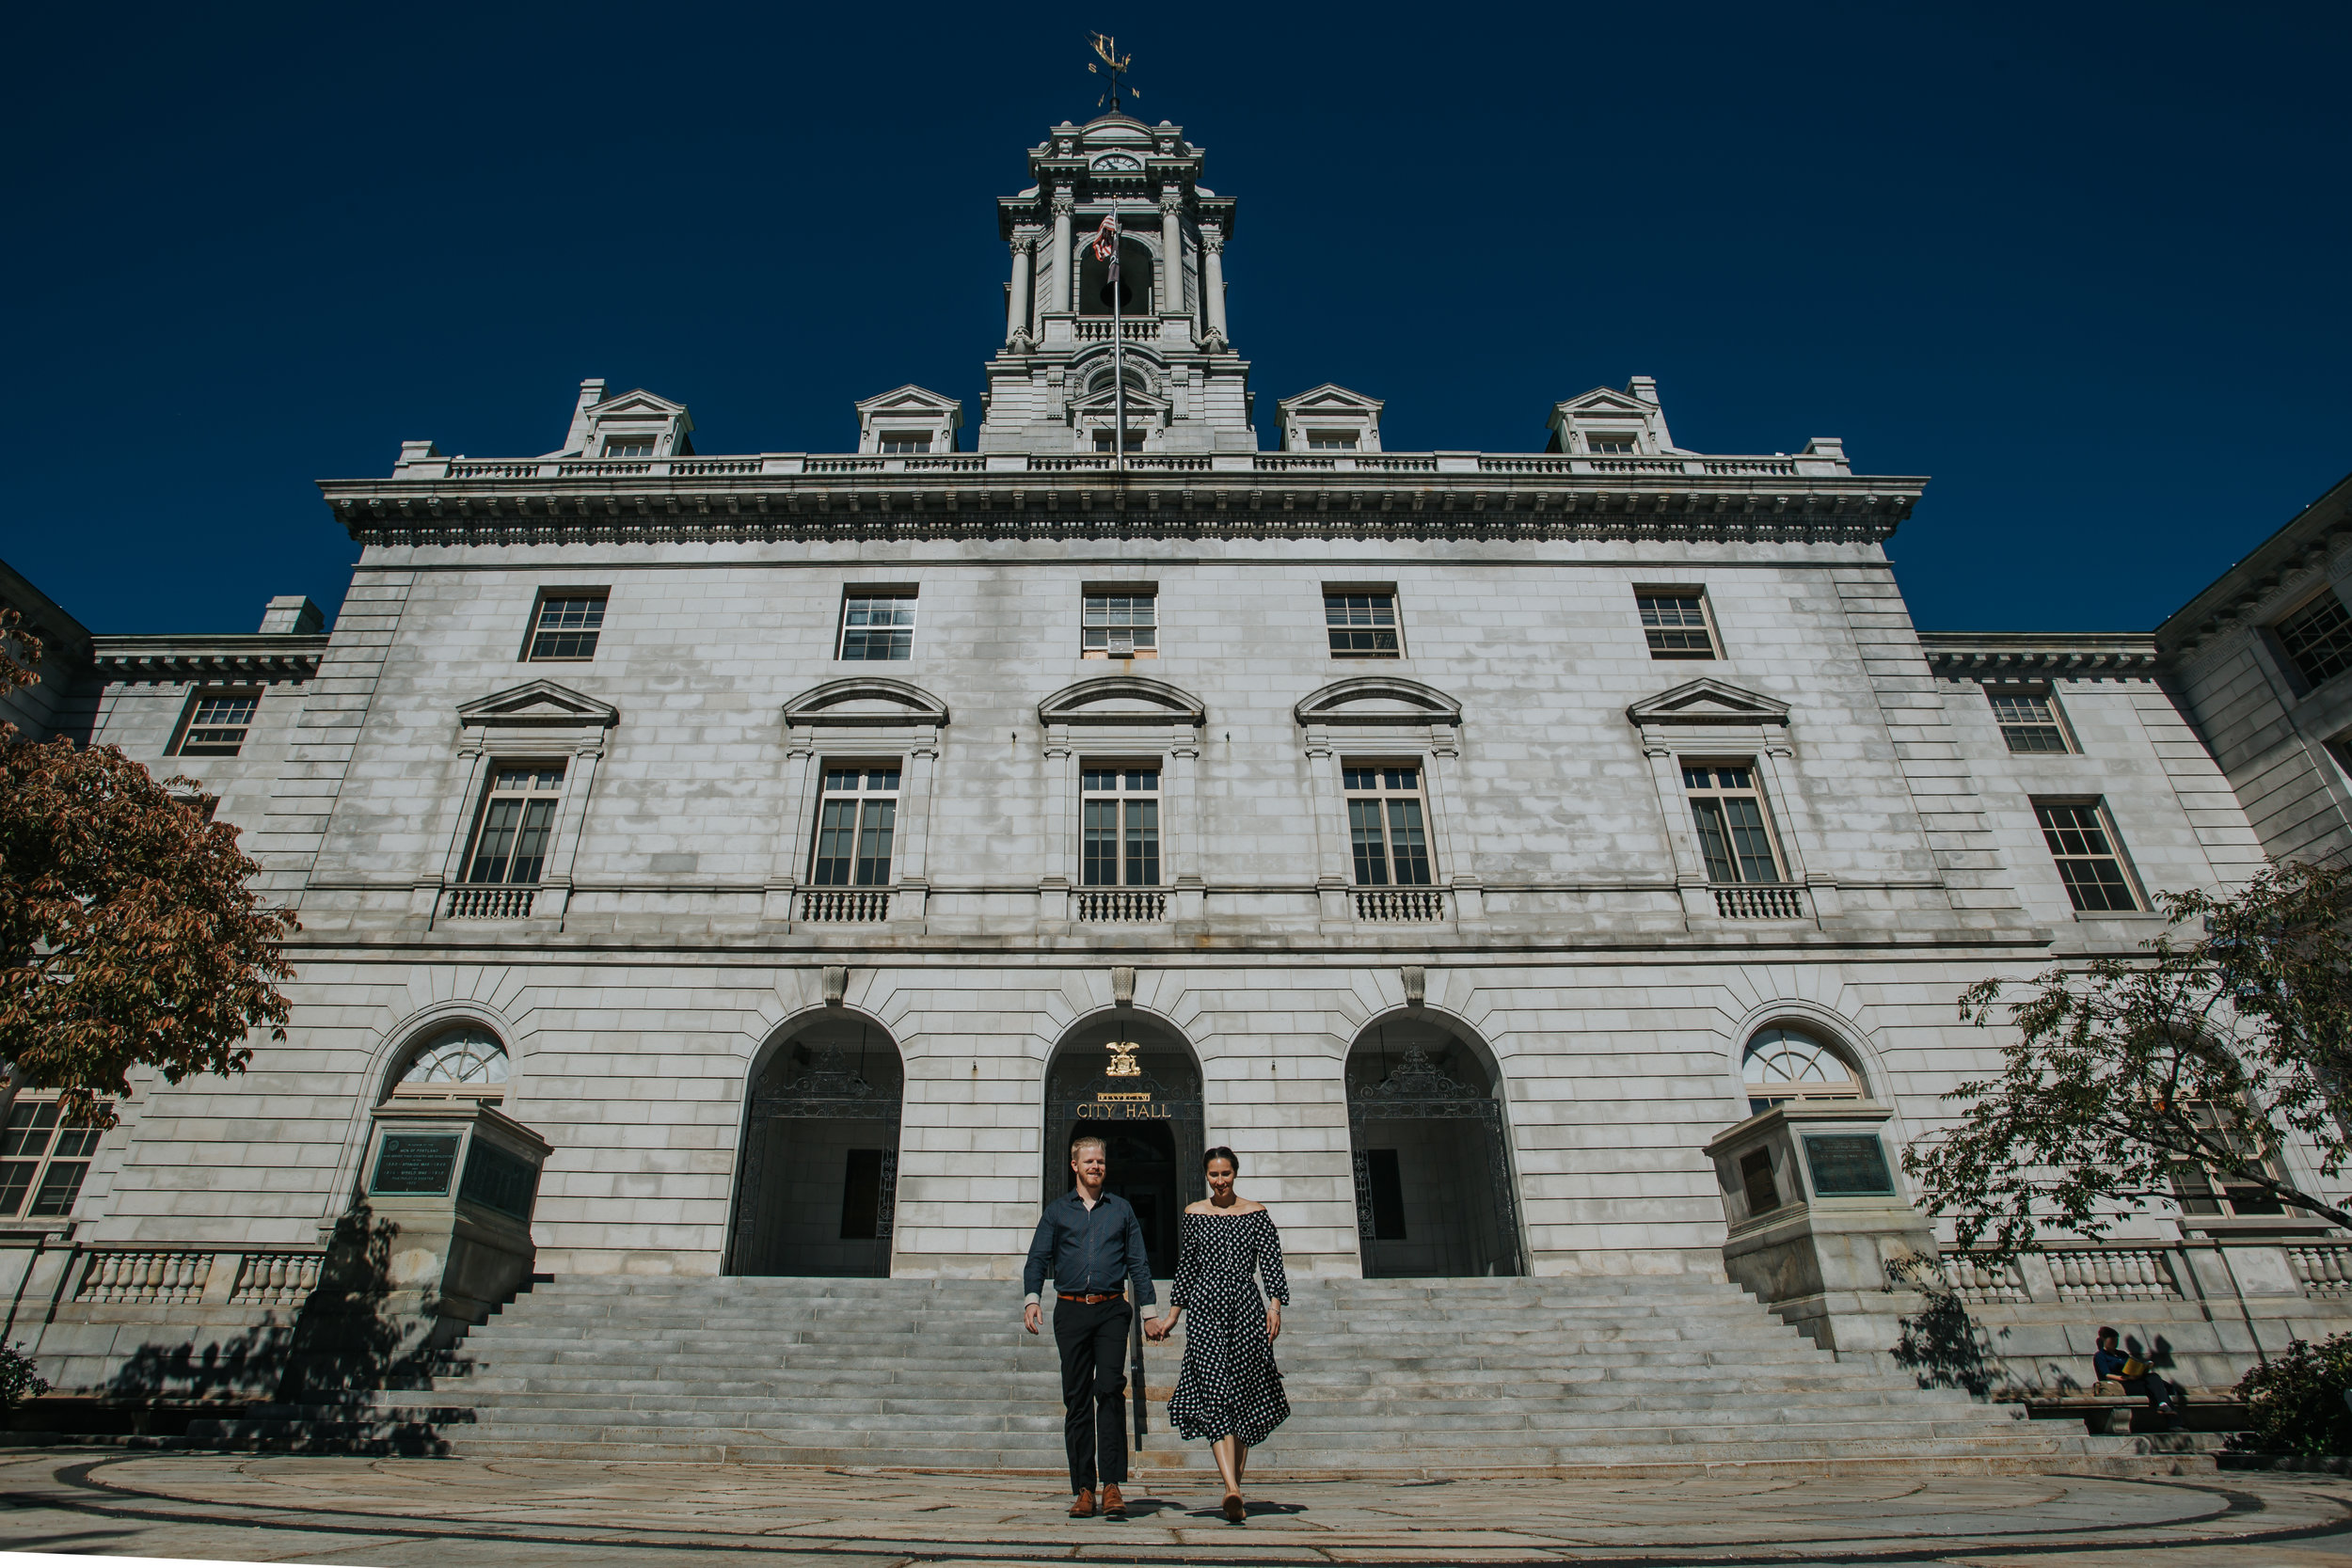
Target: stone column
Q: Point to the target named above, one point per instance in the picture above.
(1066, 274)
(1213, 283)
(1017, 302)
(1171, 251)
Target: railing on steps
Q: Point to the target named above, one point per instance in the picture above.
(2323, 1269)
(2094, 1274)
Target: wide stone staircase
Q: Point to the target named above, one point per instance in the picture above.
(1467, 1376)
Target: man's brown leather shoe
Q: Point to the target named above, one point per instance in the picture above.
(1113, 1506)
(1082, 1508)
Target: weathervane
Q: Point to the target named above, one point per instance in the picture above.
(1114, 65)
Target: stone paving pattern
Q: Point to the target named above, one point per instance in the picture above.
(521, 1512)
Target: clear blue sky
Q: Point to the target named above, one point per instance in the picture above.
(2084, 265)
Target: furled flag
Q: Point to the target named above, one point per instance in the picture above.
(1107, 242)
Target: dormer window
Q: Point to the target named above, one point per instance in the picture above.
(1612, 443)
(628, 446)
(906, 441)
(1330, 441)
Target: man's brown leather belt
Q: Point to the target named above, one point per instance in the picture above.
(1089, 1300)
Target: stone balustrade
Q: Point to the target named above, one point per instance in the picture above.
(1399, 904)
(2097, 1274)
(1757, 901)
(184, 1275)
(1118, 906)
(490, 903)
(846, 906)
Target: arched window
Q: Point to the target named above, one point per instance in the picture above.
(465, 1060)
(1782, 1065)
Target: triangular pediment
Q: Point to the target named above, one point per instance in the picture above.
(1330, 399)
(1378, 700)
(1122, 700)
(1605, 400)
(1708, 702)
(539, 702)
(636, 402)
(908, 400)
(1103, 400)
(867, 700)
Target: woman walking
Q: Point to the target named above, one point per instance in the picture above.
(1229, 1391)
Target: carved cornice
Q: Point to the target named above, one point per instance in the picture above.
(1182, 499)
(264, 656)
(2023, 655)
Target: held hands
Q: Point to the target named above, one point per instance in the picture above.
(1156, 1329)
(1032, 1315)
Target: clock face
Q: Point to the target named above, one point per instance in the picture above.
(1119, 162)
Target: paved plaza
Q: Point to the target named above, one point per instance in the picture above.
(519, 1513)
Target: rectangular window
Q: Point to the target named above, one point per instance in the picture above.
(876, 624)
(2319, 639)
(1728, 809)
(41, 1163)
(1120, 625)
(1388, 1195)
(628, 446)
(2083, 844)
(1330, 441)
(2028, 721)
(2213, 1192)
(1103, 440)
(518, 818)
(1385, 825)
(861, 1195)
(567, 624)
(1362, 625)
(856, 820)
(217, 722)
(1611, 443)
(1675, 623)
(1119, 828)
(906, 440)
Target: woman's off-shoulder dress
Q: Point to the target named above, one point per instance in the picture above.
(1229, 1387)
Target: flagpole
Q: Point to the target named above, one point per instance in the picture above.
(1119, 363)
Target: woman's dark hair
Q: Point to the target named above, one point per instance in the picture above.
(2107, 1334)
(1220, 1152)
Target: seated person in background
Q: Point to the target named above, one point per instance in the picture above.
(2132, 1371)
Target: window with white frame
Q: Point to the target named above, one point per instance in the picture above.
(217, 722)
(510, 841)
(463, 1061)
(43, 1162)
(1734, 834)
(876, 624)
(1103, 439)
(2030, 721)
(1782, 1064)
(638, 445)
(2211, 1191)
(1388, 830)
(857, 820)
(2089, 861)
(1362, 622)
(906, 441)
(1612, 442)
(1330, 441)
(1119, 842)
(567, 624)
(2317, 639)
(1675, 623)
(1123, 623)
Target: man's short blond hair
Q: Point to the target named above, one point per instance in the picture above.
(1084, 1138)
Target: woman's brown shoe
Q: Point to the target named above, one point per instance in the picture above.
(1084, 1507)
(1234, 1513)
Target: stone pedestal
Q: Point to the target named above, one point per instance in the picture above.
(1817, 1212)
(449, 1184)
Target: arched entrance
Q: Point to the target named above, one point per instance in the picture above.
(1135, 1083)
(1433, 1173)
(819, 1179)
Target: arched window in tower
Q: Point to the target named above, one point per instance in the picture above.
(1783, 1064)
(465, 1061)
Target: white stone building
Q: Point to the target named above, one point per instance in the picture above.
(803, 846)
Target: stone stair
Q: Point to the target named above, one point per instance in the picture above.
(1467, 1376)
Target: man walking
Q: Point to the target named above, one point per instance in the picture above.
(1093, 1243)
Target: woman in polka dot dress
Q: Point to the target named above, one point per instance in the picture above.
(1230, 1391)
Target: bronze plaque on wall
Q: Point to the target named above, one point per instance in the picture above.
(1848, 1164)
(415, 1163)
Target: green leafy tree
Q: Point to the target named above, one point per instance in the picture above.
(2130, 1076)
(2295, 1401)
(128, 934)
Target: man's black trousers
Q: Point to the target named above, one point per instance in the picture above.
(1093, 1343)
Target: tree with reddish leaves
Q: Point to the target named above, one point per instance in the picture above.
(128, 934)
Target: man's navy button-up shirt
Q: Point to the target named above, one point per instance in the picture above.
(1090, 1252)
